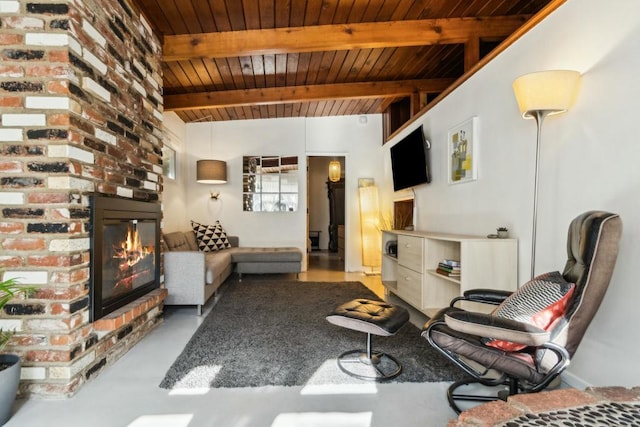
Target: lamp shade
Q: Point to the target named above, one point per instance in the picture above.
(334, 171)
(551, 91)
(211, 171)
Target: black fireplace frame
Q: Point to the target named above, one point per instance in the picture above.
(110, 208)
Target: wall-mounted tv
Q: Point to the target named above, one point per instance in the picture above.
(410, 161)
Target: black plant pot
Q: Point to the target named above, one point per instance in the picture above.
(9, 381)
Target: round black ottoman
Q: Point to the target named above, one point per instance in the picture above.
(373, 318)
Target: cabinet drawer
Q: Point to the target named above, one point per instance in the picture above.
(410, 253)
(410, 286)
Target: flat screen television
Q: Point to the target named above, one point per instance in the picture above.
(410, 161)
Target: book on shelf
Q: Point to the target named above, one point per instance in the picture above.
(448, 273)
(449, 267)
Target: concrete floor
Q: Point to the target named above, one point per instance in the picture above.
(127, 393)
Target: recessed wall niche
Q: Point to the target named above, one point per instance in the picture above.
(270, 183)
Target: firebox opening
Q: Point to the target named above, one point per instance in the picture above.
(125, 252)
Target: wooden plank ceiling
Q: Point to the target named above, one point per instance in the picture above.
(250, 59)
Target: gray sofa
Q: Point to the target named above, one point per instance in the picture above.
(192, 277)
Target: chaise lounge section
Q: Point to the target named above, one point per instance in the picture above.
(192, 276)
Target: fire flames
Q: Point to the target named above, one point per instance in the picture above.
(131, 250)
(132, 259)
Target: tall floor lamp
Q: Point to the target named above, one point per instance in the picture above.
(370, 224)
(539, 95)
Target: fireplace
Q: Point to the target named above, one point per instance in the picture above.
(125, 252)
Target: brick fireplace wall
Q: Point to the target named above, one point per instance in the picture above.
(81, 112)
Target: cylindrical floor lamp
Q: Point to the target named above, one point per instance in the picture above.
(540, 95)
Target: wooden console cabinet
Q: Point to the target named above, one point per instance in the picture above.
(411, 274)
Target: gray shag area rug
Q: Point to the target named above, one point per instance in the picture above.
(267, 332)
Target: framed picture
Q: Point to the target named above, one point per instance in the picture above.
(463, 151)
(168, 162)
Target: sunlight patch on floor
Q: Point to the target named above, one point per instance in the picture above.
(323, 419)
(329, 389)
(167, 420)
(322, 382)
(197, 381)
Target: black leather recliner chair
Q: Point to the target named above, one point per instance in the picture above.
(527, 357)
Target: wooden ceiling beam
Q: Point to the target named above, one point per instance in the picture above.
(288, 94)
(337, 37)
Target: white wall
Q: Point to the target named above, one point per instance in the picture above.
(358, 138)
(589, 160)
(174, 194)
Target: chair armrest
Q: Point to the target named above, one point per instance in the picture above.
(485, 296)
(488, 326)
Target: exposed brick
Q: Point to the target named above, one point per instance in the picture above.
(80, 64)
(79, 213)
(21, 86)
(91, 341)
(49, 228)
(10, 261)
(11, 101)
(115, 41)
(48, 198)
(72, 276)
(49, 167)
(55, 260)
(58, 87)
(59, 308)
(114, 28)
(132, 136)
(60, 119)
(29, 340)
(22, 150)
(7, 39)
(10, 166)
(550, 400)
(115, 127)
(47, 70)
(11, 71)
(93, 115)
(23, 213)
(24, 309)
(489, 414)
(116, 55)
(11, 227)
(23, 244)
(615, 394)
(22, 54)
(48, 8)
(48, 356)
(59, 56)
(20, 182)
(23, 22)
(59, 24)
(96, 368)
(72, 292)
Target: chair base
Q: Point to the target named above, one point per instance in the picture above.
(378, 366)
(502, 394)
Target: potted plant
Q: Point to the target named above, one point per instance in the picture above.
(9, 363)
(503, 232)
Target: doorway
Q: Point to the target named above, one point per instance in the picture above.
(325, 215)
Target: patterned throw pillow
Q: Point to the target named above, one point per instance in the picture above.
(210, 238)
(538, 302)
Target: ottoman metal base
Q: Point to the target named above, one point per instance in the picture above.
(369, 365)
(373, 318)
